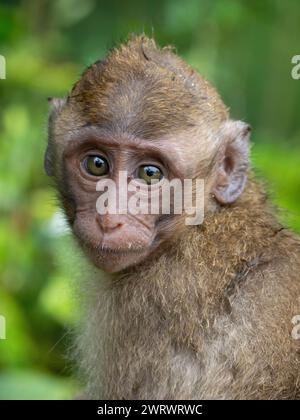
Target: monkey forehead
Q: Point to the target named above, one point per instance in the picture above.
(147, 112)
(162, 120)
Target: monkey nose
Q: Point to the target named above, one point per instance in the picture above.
(109, 223)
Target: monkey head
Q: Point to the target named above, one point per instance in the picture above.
(145, 113)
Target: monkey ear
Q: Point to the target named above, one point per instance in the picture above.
(56, 105)
(233, 162)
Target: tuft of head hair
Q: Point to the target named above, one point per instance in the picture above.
(146, 91)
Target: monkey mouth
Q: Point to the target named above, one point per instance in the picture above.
(104, 249)
(120, 251)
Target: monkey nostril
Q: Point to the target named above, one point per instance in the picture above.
(108, 224)
(115, 226)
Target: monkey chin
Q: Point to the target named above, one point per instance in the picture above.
(114, 261)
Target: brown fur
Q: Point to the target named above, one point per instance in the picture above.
(210, 319)
(112, 92)
(209, 313)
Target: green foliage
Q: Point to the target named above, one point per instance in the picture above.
(245, 48)
(28, 384)
(279, 165)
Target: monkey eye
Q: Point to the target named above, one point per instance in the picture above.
(96, 165)
(150, 174)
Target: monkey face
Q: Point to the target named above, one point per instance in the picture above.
(154, 120)
(108, 184)
(112, 187)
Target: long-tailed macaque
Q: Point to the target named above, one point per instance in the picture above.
(203, 311)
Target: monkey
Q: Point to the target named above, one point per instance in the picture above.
(173, 311)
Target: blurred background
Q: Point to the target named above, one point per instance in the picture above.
(244, 48)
